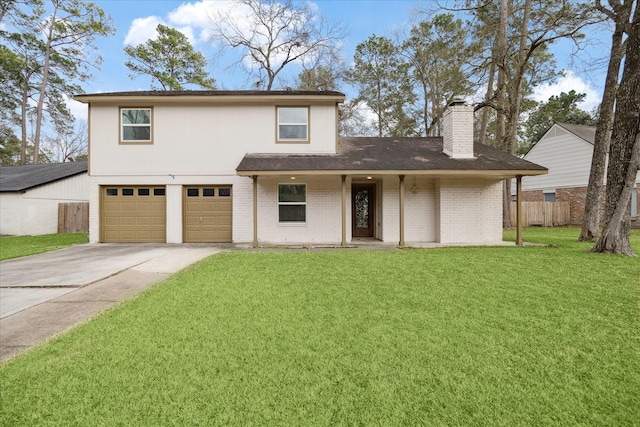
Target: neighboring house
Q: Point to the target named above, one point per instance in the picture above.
(30, 194)
(269, 168)
(566, 150)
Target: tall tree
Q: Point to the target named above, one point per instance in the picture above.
(620, 14)
(317, 78)
(521, 59)
(439, 53)
(559, 108)
(170, 60)
(21, 58)
(69, 32)
(271, 34)
(624, 151)
(382, 79)
(9, 146)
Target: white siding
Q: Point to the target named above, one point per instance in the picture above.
(11, 214)
(36, 211)
(567, 157)
(200, 140)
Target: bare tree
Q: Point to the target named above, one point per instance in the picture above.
(620, 13)
(272, 34)
(69, 145)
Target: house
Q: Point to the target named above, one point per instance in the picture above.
(269, 168)
(566, 150)
(30, 194)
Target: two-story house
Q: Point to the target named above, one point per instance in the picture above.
(270, 168)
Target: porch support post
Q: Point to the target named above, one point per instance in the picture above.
(255, 210)
(344, 211)
(401, 243)
(519, 210)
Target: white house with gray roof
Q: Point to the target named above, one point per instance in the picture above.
(30, 194)
(566, 150)
(269, 168)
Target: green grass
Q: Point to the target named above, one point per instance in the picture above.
(19, 246)
(457, 336)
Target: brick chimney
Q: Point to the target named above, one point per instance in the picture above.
(458, 130)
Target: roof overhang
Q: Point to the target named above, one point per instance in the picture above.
(467, 173)
(213, 98)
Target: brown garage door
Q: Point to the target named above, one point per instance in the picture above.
(207, 214)
(133, 214)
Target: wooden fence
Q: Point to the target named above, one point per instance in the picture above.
(545, 214)
(73, 217)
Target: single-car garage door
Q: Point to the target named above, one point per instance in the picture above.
(207, 214)
(133, 214)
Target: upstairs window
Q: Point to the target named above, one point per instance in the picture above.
(135, 125)
(293, 124)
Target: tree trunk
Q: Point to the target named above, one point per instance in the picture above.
(484, 121)
(23, 125)
(615, 234)
(43, 86)
(500, 59)
(595, 191)
(624, 152)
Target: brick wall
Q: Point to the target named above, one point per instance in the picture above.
(470, 211)
(533, 196)
(457, 133)
(323, 213)
(576, 196)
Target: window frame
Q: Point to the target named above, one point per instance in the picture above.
(122, 126)
(549, 195)
(307, 138)
(279, 203)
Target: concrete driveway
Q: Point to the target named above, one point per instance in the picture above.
(43, 295)
(28, 281)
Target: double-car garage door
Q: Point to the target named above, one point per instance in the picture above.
(138, 214)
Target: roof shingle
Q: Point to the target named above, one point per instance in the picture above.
(22, 178)
(395, 154)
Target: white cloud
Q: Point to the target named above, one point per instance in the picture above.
(570, 81)
(142, 29)
(78, 109)
(191, 19)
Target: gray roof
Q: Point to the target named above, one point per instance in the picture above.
(417, 155)
(588, 133)
(22, 178)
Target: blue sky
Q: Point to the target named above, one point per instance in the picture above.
(135, 22)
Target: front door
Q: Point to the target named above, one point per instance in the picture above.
(362, 210)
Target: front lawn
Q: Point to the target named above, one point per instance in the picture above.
(19, 246)
(456, 336)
